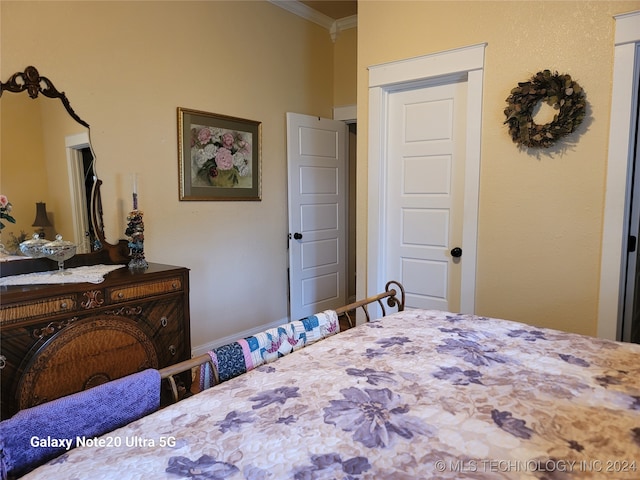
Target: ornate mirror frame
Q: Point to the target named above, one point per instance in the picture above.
(34, 84)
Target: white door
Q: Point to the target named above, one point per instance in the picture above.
(422, 176)
(317, 183)
(425, 193)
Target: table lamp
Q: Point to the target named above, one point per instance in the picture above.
(41, 220)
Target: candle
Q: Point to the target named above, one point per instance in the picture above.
(135, 191)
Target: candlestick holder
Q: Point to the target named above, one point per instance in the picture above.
(135, 232)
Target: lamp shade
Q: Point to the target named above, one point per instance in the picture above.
(41, 216)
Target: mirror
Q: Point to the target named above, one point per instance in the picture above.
(46, 148)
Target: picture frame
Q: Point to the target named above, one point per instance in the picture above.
(219, 156)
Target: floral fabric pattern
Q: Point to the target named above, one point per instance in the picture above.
(374, 416)
(416, 395)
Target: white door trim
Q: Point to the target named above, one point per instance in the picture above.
(74, 144)
(346, 113)
(386, 78)
(614, 238)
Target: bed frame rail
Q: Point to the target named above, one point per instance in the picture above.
(169, 373)
(393, 296)
(392, 300)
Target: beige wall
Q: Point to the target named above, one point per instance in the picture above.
(540, 219)
(57, 126)
(126, 67)
(345, 67)
(34, 154)
(22, 160)
(34, 165)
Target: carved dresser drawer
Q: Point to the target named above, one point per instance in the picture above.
(145, 289)
(60, 339)
(164, 321)
(24, 311)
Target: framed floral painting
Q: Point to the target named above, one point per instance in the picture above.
(218, 156)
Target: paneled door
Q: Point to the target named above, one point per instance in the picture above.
(317, 183)
(423, 161)
(425, 193)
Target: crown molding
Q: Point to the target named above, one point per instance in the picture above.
(333, 26)
(305, 12)
(347, 22)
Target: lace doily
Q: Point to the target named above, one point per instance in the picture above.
(90, 274)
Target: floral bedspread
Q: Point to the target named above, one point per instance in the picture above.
(418, 394)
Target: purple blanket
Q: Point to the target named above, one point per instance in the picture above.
(35, 435)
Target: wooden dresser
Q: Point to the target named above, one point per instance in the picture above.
(61, 339)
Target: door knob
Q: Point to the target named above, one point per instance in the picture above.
(456, 252)
(297, 236)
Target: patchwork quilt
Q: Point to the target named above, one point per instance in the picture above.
(416, 395)
(239, 357)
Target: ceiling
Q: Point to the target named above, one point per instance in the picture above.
(335, 9)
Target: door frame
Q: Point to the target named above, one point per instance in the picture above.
(619, 162)
(349, 115)
(74, 145)
(384, 79)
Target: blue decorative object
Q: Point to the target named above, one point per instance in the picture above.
(59, 423)
(135, 232)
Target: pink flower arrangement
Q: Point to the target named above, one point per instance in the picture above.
(204, 135)
(5, 211)
(227, 140)
(219, 157)
(224, 159)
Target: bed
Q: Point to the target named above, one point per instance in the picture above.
(414, 394)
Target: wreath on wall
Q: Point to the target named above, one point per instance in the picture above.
(561, 93)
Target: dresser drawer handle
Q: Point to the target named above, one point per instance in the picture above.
(64, 305)
(174, 285)
(3, 361)
(172, 349)
(120, 295)
(164, 322)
